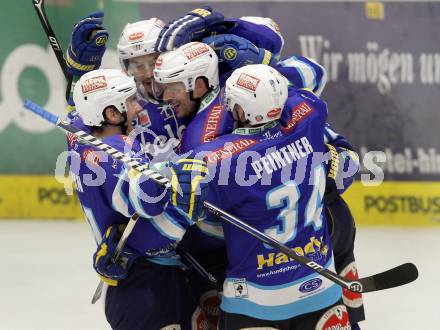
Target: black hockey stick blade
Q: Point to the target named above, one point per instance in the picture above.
(397, 276)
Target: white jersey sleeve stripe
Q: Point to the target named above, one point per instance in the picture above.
(306, 71)
(168, 227)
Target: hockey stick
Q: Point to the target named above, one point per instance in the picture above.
(397, 276)
(197, 266)
(117, 253)
(53, 41)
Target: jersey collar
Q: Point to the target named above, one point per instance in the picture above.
(255, 130)
(208, 98)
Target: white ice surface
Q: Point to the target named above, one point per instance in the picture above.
(46, 278)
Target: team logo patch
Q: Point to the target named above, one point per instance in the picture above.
(94, 84)
(248, 82)
(101, 41)
(240, 288)
(274, 113)
(136, 36)
(351, 299)
(195, 50)
(300, 112)
(310, 285)
(229, 150)
(334, 318)
(230, 53)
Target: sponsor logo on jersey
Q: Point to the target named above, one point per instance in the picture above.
(274, 113)
(195, 50)
(127, 140)
(310, 285)
(248, 82)
(351, 299)
(210, 129)
(136, 36)
(71, 139)
(90, 156)
(300, 112)
(335, 318)
(315, 249)
(144, 119)
(94, 84)
(229, 150)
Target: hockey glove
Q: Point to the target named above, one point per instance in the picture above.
(189, 185)
(342, 166)
(191, 27)
(109, 270)
(87, 46)
(235, 52)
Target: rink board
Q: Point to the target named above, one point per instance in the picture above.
(391, 203)
(36, 196)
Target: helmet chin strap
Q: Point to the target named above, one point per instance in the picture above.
(198, 100)
(122, 125)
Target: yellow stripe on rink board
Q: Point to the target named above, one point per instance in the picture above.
(393, 203)
(38, 197)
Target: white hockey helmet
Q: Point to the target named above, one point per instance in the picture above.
(186, 64)
(138, 39)
(99, 89)
(260, 90)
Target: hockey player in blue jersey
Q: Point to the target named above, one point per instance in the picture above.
(302, 72)
(147, 287)
(157, 127)
(275, 181)
(182, 86)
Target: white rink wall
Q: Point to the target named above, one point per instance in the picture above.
(47, 279)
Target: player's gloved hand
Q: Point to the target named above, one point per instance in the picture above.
(87, 46)
(109, 270)
(342, 166)
(191, 27)
(189, 185)
(235, 51)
